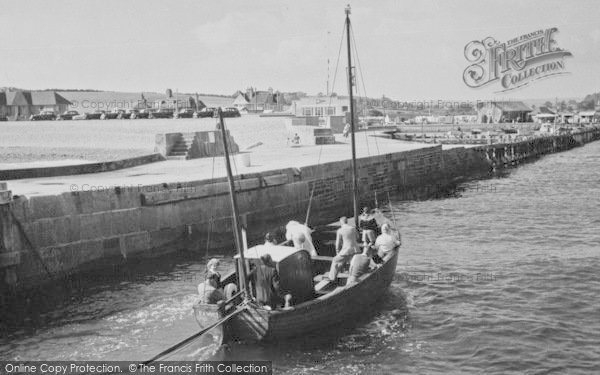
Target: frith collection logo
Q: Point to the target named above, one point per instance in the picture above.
(515, 63)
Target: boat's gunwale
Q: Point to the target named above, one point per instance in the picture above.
(337, 291)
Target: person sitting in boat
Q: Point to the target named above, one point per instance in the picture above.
(368, 226)
(270, 239)
(300, 235)
(361, 264)
(212, 269)
(345, 246)
(209, 291)
(387, 241)
(266, 283)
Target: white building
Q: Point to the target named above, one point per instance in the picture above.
(321, 106)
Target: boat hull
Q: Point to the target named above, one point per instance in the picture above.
(337, 308)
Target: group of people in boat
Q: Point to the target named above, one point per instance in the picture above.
(362, 257)
(375, 248)
(264, 277)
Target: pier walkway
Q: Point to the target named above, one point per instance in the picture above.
(263, 158)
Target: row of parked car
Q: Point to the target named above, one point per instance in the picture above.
(132, 114)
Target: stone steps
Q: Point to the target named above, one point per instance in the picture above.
(178, 153)
(181, 147)
(193, 145)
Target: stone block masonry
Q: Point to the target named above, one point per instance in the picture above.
(46, 236)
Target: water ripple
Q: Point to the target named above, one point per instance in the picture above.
(501, 279)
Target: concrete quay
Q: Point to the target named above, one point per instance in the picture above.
(263, 158)
(58, 226)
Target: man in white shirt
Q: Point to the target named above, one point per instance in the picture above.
(386, 242)
(345, 246)
(300, 235)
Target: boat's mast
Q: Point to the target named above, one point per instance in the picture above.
(237, 230)
(352, 125)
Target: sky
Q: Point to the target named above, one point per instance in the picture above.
(408, 50)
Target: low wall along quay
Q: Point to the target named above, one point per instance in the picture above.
(44, 237)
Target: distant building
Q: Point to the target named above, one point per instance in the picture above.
(588, 116)
(543, 114)
(567, 117)
(503, 111)
(178, 102)
(240, 101)
(321, 106)
(19, 105)
(258, 101)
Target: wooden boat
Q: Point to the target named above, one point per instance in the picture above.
(314, 308)
(337, 306)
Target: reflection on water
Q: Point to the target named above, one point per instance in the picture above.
(501, 277)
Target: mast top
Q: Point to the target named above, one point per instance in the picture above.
(347, 10)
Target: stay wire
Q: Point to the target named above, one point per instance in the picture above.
(337, 63)
(313, 188)
(366, 99)
(362, 78)
(359, 97)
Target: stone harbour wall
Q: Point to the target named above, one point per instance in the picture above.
(67, 170)
(43, 237)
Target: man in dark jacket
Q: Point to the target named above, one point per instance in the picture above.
(266, 281)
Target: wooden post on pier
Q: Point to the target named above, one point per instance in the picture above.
(9, 257)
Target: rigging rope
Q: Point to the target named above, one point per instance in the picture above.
(210, 229)
(238, 180)
(392, 211)
(362, 78)
(313, 188)
(361, 95)
(337, 62)
(210, 226)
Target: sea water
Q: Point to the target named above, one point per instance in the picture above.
(503, 276)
